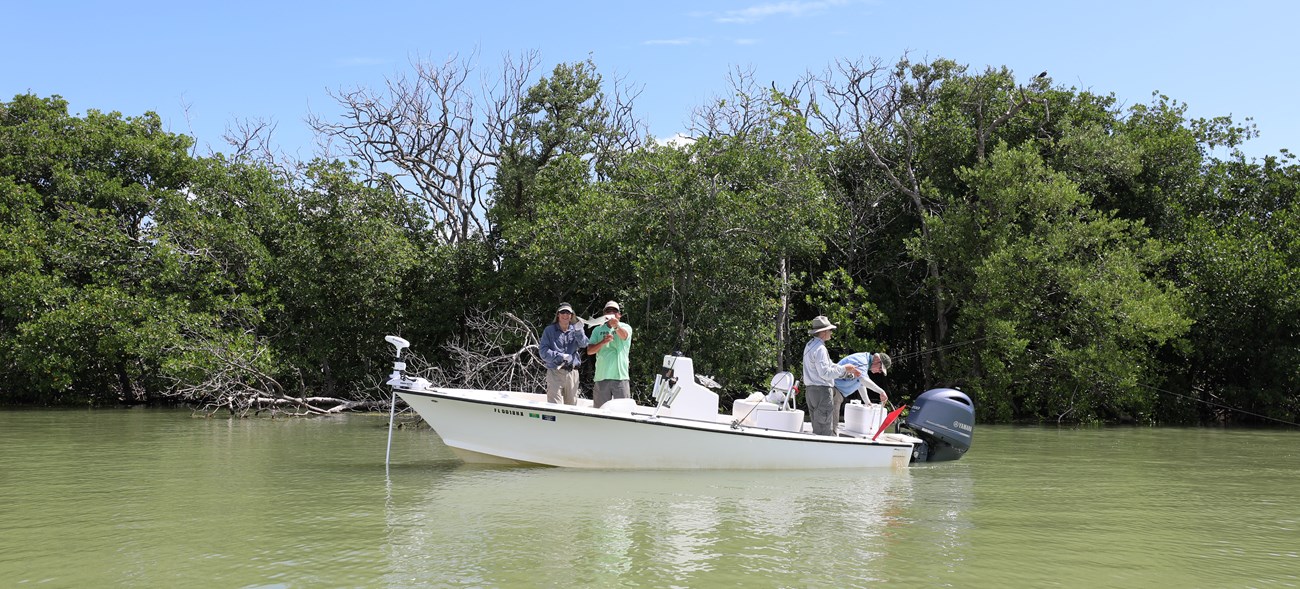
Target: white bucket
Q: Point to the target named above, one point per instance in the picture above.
(863, 419)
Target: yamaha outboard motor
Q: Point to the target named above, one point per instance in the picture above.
(945, 419)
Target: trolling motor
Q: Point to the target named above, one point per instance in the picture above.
(945, 420)
(394, 380)
(398, 366)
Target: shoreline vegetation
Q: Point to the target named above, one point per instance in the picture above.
(1055, 254)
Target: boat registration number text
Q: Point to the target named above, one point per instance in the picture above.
(518, 413)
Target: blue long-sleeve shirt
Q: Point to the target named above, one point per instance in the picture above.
(556, 345)
(848, 386)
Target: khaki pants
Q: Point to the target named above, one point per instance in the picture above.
(562, 382)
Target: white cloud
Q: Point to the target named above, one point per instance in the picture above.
(745, 41)
(679, 141)
(759, 12)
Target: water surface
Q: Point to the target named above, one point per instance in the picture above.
(149, 498)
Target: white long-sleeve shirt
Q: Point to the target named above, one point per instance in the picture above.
(818, 370)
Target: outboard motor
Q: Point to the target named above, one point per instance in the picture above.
(945, 419)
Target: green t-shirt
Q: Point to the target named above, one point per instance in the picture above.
(611, 360)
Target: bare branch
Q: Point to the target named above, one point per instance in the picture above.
(626, 132)
(253, 141)
(250, 138)
(232, 380)
(865, 102)
(734, 115)
(501, 354)
(428, 137)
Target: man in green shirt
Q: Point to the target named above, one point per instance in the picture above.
(610, 343)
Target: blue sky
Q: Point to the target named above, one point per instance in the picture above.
(201, 65)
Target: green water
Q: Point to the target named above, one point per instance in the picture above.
(159, 499)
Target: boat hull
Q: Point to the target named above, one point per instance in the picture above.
(503, 427)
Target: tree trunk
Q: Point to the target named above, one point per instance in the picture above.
(782, 316)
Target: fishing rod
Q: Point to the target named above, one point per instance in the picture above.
(1215, 404)
(927, 351)
(1210, 403)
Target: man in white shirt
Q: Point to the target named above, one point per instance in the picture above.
(819, 374)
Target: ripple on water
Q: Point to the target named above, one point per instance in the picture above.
(159, 499)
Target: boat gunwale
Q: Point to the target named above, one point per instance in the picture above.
(650, 419)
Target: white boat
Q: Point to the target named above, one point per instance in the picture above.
(684, 430)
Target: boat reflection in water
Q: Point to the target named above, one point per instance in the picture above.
(678, 494)
(494, 526)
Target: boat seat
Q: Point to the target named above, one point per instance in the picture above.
(780, 389)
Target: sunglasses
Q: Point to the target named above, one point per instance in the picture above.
(565, 313)
(611, 311)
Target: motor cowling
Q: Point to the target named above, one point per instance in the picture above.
(945, 419)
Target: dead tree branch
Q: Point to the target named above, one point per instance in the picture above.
(432, 139)
(500, 354)
(224, 373)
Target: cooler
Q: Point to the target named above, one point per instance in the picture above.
(863, 419)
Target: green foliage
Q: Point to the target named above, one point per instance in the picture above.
(849, 307)
(338, 272)
(565, 138)
(1241, 259)
(1054, 255)
(565, 115)
(83, 317)
(719, 217)
(126, 261)
(316, 270)
(689, 239)
(1060, 293)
